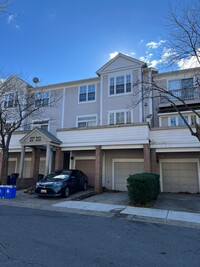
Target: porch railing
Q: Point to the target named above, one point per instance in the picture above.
(183, 94)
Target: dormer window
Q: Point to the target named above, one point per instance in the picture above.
(120, 85)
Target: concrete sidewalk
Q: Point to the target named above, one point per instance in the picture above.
(166, 215)
(168, 208)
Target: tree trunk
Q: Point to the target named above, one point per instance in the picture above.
(4, 166)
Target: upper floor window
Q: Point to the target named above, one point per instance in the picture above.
(179, 121)
(10, 100)
(42, 99)
(120, 117)
(120, 84)
(41, 124)
(87, 121)
(87, 93)
(177, 84)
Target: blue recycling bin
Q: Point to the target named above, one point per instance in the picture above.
(13, 178)
(2, 191)
(10, 191)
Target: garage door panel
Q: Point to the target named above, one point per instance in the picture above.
(88, 167)
(122, 170)
(180, 177)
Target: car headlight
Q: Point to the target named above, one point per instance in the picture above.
(58, 184)
(37, 185)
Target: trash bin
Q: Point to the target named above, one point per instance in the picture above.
(2, 191)
(40, 176)
(13, 178)
(10, 191)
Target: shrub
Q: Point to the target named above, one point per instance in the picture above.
(143, 187)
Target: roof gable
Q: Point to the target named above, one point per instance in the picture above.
(39, 137)
(120, 62)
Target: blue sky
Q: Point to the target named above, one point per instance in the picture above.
(65, 40)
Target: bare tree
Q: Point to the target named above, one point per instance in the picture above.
(4, 6)
(183, 45)
(17, 105)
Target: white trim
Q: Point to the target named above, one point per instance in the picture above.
(103, 169)
(196, 160)
(118, 74)
(39, 124)
(181, 149)
(140, 97)
(125, 116)
(78, 148)
(121, 160)
(63, 108)
(122, 147)
(86, 116)
(101, 101)
(90, 101)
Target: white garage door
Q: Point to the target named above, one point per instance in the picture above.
(180, 177)
(88, 167)
(122, 170)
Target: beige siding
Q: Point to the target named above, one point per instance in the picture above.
(88, 167)
(73, 108)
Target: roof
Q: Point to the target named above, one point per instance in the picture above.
(120, 55)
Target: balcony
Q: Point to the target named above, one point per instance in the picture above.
(190, 95)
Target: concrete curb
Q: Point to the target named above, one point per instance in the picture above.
(167, 215)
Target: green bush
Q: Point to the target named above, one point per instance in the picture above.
(143, 187)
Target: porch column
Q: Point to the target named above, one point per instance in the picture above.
(35, 163)
(98, 170)
(147, 158)
(21, 166)
(48, 151)
(59, 158)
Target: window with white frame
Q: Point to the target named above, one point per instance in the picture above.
(41, 124)
(120, 84)
(177, 84)
(87, 93)
(179, 121)
(42, 99)
(120, 117)
(10, 100)
(86, 121)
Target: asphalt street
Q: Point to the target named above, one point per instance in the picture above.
(31, 237)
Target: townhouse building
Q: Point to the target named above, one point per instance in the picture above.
(104, 127)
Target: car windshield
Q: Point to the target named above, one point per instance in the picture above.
(61, 175)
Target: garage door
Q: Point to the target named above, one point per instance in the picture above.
(88, 167)
(122, 171)
(180, 177)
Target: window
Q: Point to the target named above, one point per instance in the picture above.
(10, 100)
(178, 120)
(120, 117)
(120, 84)
(173, 121)
(41, 124)
(181, 122)
(87, 93)
(42, 99)
(193, 119)
(88, 121)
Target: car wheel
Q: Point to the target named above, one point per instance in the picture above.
(66, 192)
(84, 186)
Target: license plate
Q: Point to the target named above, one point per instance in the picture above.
(44, 191)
